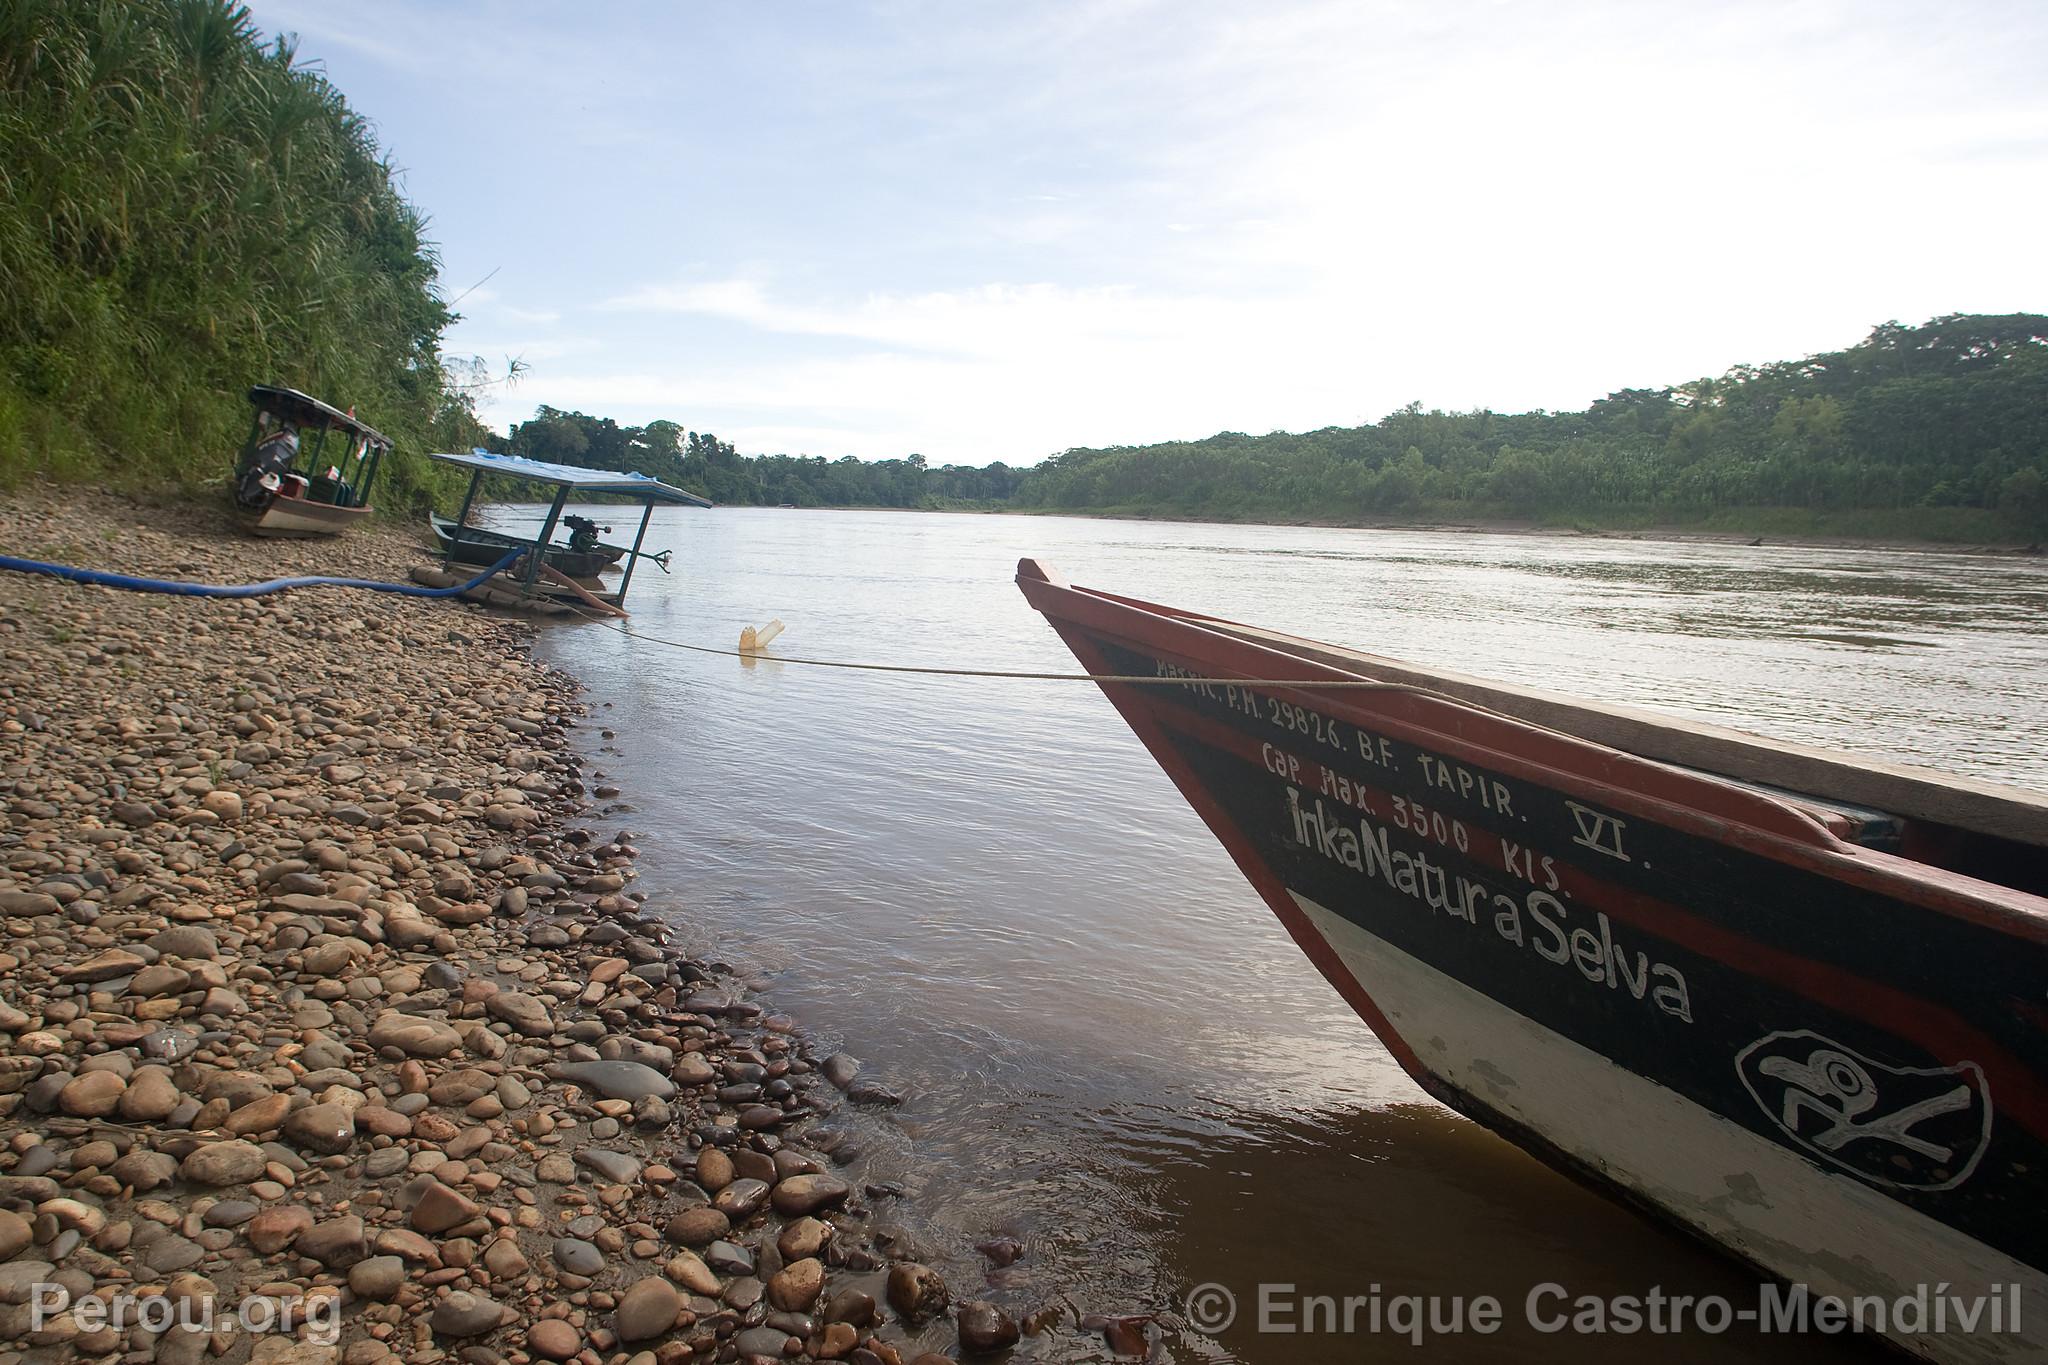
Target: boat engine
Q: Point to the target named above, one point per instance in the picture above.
(266, 467)
(583, 533)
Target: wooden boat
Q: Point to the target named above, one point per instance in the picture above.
(285, 484)
(611, 554)
(550, 582)
(476, 546)
(1792, 1001)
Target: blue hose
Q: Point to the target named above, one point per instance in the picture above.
(177, 589)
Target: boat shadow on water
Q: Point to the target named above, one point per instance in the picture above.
(1413, 1202)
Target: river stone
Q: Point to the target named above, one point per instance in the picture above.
(695, 1227)
(687, 1269)
(647, 1310)
(224, 1163)
(326, 959)
(916, 1291)
(553, 1339)
(616, 1080)
(714, 1170)
(466, 1313)
(729, 1258)
(94, 1095)
(874, 1093)
(441, 1208)
(171, 1253)
(616, 1167)
(194, 942)
(386, 1161)
(379, 1277)
(169, 1044)
(144, 1171)
(505, 1261)
(1001, 1251)
(802, 1194)
(741, 1199)
(797, 1285)
(414, 1036)
(693, 1068)
(231, 1213)
(159, 979)
(150, 1096)
(337, 1243)
(985, 1328)
(767, 1342)
(103, 966)
(15, 1234)
(277, 1227)
(578, 1257)
(259, 1115)
(323, 1128)
(804, 1237)
(19, 1279)
(461, 1086)
(40, 1159)
(854, 1306)
(524, 1013)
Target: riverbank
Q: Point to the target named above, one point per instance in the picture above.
(318, 1002)
(1930, 530)
(1968, 531)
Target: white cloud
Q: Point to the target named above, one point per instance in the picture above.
(1020, 229)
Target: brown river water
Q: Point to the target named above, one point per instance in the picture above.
(1111, 1052)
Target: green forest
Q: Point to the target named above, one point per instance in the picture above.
(1938, 431)
(187, 209)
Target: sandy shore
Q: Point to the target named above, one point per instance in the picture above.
(317, 1003)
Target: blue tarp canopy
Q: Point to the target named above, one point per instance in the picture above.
(640, 487)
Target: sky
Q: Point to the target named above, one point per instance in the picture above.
(979, 231)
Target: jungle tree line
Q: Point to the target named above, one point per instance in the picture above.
(187, 209)
(1949, 414)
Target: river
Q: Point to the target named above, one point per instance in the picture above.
(988, 891)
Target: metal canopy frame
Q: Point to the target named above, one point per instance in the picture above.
(642, 488)
(366, 444)
(635, 486)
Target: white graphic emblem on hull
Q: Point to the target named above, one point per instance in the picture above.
(1906, 1128)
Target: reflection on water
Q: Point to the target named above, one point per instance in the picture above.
(1409, 1200)
(988, 890)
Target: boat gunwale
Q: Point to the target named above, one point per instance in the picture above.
(2004, 908)
(1912, 783)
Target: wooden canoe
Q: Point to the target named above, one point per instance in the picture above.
(1791, 1001)
(287, 518)
(474, 545)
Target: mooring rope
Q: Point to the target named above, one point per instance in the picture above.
(1019, 674)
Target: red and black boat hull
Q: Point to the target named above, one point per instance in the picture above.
(1827, 1058)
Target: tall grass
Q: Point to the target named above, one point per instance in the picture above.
(186, 210)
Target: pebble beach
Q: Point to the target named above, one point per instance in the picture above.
(335, 1028)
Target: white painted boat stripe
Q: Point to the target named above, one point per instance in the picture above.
(1762, 1200)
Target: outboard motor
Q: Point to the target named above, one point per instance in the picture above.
(265, 467)
(583, 533)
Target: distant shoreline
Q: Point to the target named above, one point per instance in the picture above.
(1662, 534)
